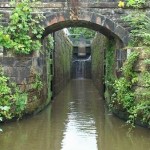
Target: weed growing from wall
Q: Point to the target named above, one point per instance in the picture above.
(140, 33)
(125, 97)
(123, 94)
(24, 32)
(136, 102)
(49, 47)
(136, 3)
(37, 85)
(109, 68)
(12, 100)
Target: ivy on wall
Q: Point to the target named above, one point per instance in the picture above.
(123, 95)
(132, 3)
(24, 32)
(12, 99)
(49, 41)
(131, 92)
(136, 3)
(125, 98)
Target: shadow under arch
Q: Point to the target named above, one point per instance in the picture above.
(95, 21)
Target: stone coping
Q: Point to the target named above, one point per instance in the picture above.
(81, 4)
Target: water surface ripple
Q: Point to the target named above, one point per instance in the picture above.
(76, 120)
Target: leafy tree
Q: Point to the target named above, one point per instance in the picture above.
(87, 33)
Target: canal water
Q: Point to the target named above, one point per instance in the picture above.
(76, 120)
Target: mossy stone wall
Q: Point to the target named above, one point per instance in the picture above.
(142, 87)
(23, 71)
(62, 61)
(98, 48)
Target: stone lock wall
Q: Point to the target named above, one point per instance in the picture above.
(104, 61)
(23, 70)
(97, 52)
(62, 61)
(141, 88)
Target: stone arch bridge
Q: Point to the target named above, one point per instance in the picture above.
(104, 17)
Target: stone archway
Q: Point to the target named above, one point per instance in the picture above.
(59, 20)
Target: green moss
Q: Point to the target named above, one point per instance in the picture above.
(49, 47)
(109, 68)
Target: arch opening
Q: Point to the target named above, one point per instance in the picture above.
(97, 22)
(85, 18)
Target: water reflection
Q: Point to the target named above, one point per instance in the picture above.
(76, 120)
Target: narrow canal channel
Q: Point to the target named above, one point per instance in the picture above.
(76, 120)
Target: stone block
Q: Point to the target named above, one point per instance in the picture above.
(12, 79)
(144, 52)
(141, 93)
(109, 25)
(20, 73)
(7, 61)
(141, 66)
(120, 31)
(119, 11)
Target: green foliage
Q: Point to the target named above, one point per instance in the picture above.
(4, 37)
(23, 34)
(20, 102)
(136, 3)
(50, 43)
(5, 96)
(49, 54)
(141, 110)
(109, 64)
(85, 32)
(109, 69)
(128, 66)
(37, 83)
(125, 96)
(140, 36)
(145, 78)
(12, 100)
(140, 32)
